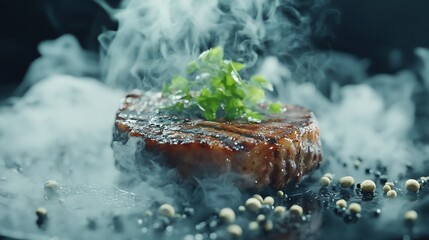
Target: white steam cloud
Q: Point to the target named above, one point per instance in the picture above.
(156, 39)
(371, 118)
(60, 56)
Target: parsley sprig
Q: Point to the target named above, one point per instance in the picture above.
(217, 92)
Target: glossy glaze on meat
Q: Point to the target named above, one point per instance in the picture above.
(282, 149)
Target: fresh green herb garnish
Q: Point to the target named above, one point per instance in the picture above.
(217, 92)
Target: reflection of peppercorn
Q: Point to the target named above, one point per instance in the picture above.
(42, 215)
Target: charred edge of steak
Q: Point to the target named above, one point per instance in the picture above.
(282, 149)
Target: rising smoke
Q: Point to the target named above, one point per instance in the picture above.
(60, 56)
(156, 39)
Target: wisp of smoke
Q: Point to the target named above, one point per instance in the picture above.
(156, 39)
(60, 56)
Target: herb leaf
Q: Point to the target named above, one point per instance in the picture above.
(275, 107)
(216, 90)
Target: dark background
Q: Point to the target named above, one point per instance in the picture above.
(25, 23)
(386, 32)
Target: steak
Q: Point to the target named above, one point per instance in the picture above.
(281, 149)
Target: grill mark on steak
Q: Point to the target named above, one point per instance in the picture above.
(237, 140)
(246, 130)
(241, 131)
(281, 149)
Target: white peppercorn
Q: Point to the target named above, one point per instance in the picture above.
(368, 186)
(167, 210)
(227, 215)
(253, 204)
(347, 181)
(296, 210)
(341, 203)
(412, 185)
(355, 208)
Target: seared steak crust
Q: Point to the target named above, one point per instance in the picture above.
(282, 149)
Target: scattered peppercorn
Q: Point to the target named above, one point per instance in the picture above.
(341, 203)
(253, 226)
(392, 194)
(355, 208)
(386, 188)
(253, 204)
(329, 175)
(347, 181)
(296, 210)
(390, 184)
(167, 210)
(367, 186)
(260, 218)
(241, 208)
(268, 225)
(259, 197)
(279, 210)
(51, 185)
(148, 213)
(269, 201)
(412, 185)
(41, 212)
(410, 215)
(227, 215)
(324, 181)
(235, 230)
